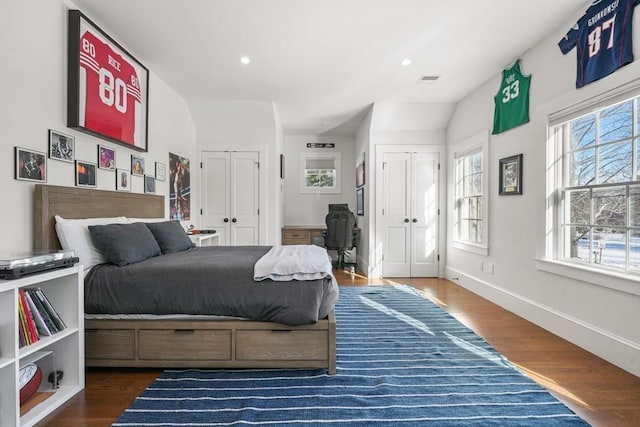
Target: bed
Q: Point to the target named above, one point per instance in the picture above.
(177, 341)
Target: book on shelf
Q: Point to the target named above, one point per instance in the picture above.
(42, 310)
(51, 310)
(41, 325)
(37, 316)
(26, 319)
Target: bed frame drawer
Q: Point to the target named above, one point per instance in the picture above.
(184, 344)
(116, 344)
(281, 344)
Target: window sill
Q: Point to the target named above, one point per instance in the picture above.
(470, 247)
(622, 282)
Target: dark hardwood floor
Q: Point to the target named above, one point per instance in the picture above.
(601, 393)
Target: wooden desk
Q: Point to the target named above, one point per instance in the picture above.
(304, 234)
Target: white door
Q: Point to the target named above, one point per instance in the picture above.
(410, 214)
(230, 196)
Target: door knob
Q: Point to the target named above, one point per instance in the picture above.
(415, 220)
(406, 220)
(226, 220)
(234, 220)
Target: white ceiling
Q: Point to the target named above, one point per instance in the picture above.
(322, 62)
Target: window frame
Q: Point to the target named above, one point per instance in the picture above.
(335, 157)
(478, 143)
(554, 259)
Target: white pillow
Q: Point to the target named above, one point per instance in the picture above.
(74, 235)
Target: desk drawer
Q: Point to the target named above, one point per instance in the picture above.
(296, 237)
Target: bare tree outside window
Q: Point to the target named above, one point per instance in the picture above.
(601, 194)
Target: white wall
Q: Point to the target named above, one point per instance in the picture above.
(244, 125)
(362, 151)
(403, 124)
(33, 42)
(311, 209)
(599, 319)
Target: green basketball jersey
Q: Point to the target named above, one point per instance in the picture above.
(512, 100)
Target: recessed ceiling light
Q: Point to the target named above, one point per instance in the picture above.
(245, 60)
(405, 62)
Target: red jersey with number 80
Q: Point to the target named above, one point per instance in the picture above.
(112, 89)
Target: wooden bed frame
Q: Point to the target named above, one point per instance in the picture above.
(177, 343)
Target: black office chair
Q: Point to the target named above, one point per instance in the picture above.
(340, 234)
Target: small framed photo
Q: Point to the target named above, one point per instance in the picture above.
(360, 175)
(106, 158)
(123, 180)
(137, 165)
(161, 171)
(510, 175)
(282, 166)
(149, 184)
(30, 165)
(85, 174)
(360, 201)
(61, 146)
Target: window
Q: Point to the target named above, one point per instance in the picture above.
(595, 185)
(320, 173)
(470, 183)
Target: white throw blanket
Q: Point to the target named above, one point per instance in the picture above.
(294, 262)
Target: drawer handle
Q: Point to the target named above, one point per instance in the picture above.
(281, 331)
(183, 331)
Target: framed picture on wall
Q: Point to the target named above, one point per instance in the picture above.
(85, 174)
(31, 165)
(149, 184)
(123, 180)
(108, 88)
(61, 146)
(161, 171)
(360, 175)
(106, 158)
(137, 165)
(510, 175)
(360, 201)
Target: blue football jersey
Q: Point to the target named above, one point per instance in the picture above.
(602, 38)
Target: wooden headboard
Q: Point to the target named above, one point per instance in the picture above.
(72, 202)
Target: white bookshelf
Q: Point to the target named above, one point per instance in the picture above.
(63, 351)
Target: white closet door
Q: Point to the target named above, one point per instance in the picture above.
(424, 215)
(244, 198)
(410, 214)
(230, 196)
(396, 210)
(216, 190)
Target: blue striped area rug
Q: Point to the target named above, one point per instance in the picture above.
(402, 361)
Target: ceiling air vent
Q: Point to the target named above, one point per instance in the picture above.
(428, 79)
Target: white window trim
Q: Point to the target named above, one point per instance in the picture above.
(551, 262)
(475, 142)
(336, 156)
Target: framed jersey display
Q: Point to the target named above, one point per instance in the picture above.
(108, 89)
(603, 39)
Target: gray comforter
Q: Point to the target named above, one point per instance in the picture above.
(207, 280)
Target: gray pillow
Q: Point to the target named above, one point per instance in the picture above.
(124, 244)
(170, 236)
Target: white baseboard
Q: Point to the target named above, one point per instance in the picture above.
(363, 265)
(612, 348)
